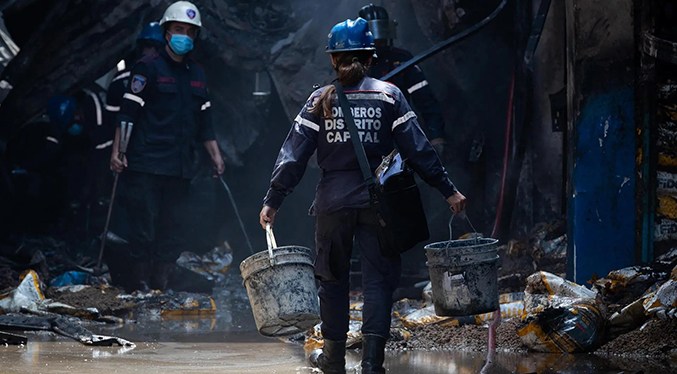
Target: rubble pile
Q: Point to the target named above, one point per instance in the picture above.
(545, 249)
(630, 312)
(67, 310)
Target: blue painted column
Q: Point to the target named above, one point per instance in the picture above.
(602, 209)
(602, 134)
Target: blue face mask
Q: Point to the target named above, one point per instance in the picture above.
(181, 44)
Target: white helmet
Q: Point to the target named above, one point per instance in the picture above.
(182, 11)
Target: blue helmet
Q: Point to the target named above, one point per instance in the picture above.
(152, 31)
(61, 110)
(350, 35)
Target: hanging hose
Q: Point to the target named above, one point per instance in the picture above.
(237, 213)
(492, 342)
(506, 157)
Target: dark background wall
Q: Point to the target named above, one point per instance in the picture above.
(69, 43)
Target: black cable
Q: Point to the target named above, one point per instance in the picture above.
(445, 44)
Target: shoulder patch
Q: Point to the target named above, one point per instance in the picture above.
(138, 83)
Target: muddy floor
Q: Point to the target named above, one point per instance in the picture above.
(656, 338)
(463, 338)
(189, 352)
(104, 298)
(227, 342)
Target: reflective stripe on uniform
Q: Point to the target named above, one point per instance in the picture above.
(111, 108)
(417, 86)
(104, 145)
(306, 123)
(404, 119)
(134, 98)
(51, 139)
(97, 105)
(122, 76)
(206, 105)
(370, 96)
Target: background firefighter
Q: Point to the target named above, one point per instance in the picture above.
(168, 104)
(412, 82)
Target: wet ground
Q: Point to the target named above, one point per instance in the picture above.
(228, 343)
(249, 353)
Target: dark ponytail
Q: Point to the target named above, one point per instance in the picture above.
(351, 67)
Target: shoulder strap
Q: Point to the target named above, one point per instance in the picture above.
(355, 137)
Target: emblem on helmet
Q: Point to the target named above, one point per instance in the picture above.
(190, 13)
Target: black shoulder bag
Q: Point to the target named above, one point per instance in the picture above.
(396, 204)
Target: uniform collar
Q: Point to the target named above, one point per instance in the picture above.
(166, 56)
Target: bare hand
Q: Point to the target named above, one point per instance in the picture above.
(219, 165)
(456, 202)
(266, 216)
(116, 164)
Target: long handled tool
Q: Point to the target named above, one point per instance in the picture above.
(237, 213)
(125, 133)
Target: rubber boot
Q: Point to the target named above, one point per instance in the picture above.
(373, 354)
(331, 359)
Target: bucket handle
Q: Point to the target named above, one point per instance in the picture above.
(272, 244)
(462, 215)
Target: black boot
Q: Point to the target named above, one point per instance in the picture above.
(162, 274)
(331, 359)
(373, 354)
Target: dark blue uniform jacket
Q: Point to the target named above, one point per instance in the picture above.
(168, 104)
(384, 120)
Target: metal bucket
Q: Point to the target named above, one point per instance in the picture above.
(281, 287)
(464, 276)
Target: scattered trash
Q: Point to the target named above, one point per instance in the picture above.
(316, 341)
(74, 278)
(428, 293)
(85, 298)
(112, 237)
(627, 319)
(663, 302)
(562, 317)
(511, 306)
(178, 305)
(12, 339)
(62, 326)
(544, 249)
(27, 295)
(667, 183)
(665, 229)
(667, 207)
(356, 311)
(212, 265)
(625, 285)
(354, 338)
